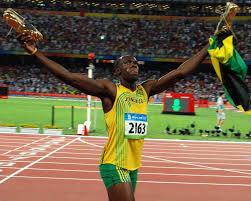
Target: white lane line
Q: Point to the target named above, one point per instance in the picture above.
(206, 158)
(140, 173)
(197, 154)
(25, 145)
(94, 145)
(184, 163)
(140, 181)
(3, 150)
(200, 146)
(176, 148)
(187, 168)
(194, 175)
(3, 143)
(7, 146)
(203, 163)
(145, 161)
(243, 151)
(29, 165)
(157, 141)
(143, 166)
(20, 136)
(194, 183)
(194, 142)
(196, 165)
(69, 153)
(83, 151)
(155, 161)
(19, 139)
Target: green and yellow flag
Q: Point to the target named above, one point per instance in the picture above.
(231, 70)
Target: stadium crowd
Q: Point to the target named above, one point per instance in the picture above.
(143, 7)
(141, 37)
(32, 78)
(176, 38)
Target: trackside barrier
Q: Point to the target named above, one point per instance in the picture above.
(72, 108)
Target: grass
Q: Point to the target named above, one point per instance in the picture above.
(20, 110)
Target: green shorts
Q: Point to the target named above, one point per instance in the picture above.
(113, 175)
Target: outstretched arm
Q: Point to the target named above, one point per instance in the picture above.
(157, 86)
(99, 88)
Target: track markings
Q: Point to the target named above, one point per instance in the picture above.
(32, 152)
(184, 163)
(140, 181)
(195, 165)
(183, 147)
(94, 145)
(34, 162)
(141, 173)
(25, 145)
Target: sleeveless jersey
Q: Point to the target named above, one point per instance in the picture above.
(127, 117)
(220, 104)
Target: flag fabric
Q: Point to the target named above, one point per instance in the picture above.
(231, 70)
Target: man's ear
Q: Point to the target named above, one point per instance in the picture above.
(116, 72)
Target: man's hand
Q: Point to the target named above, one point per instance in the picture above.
(27, 43)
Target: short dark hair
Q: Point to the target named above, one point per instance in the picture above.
(117, 63)
(221, 93)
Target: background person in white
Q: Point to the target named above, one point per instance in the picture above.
(220, 110)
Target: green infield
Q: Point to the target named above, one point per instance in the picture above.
(38, 111)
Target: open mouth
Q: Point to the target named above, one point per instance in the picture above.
(134, 71)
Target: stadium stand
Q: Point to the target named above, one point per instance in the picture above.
(172, 38)
(146, 7)
(34, 79)
(171, 31)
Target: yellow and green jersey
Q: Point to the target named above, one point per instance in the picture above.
(126, 125)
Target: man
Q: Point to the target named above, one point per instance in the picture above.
(220, 110)
(125, 110)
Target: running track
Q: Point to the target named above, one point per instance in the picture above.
(60, 168)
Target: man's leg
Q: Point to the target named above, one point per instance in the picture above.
(221, 122)
(120, 183)
(121, 192)
(218, 122)
(218, 119)
(222, 119)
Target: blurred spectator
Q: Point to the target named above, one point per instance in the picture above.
(176, 38)
(143, 7)
(31, 78)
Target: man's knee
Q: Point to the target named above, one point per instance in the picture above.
(121, 192)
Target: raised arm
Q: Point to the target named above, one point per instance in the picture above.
(99, 88)
(157, 86)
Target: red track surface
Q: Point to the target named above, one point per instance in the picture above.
(55, 168)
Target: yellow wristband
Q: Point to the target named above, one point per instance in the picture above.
(34, 51)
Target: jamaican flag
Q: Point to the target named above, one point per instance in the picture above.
(231, 70)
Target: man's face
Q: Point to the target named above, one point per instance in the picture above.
(129, 68)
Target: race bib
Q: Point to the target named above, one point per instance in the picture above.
(135, 126)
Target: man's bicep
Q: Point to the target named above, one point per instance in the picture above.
(99, 88)
(153, 87)
(149, 86)
(165, 82)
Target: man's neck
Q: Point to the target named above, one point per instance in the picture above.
(132, 86)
